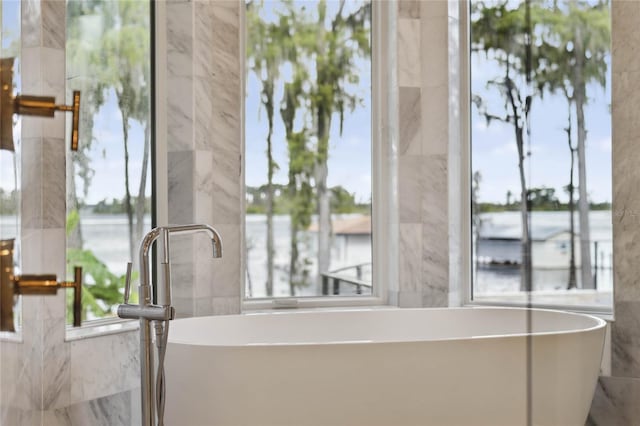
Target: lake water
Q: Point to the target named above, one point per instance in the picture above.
(106, 235)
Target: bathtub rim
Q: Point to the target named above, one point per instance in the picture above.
(599, 323)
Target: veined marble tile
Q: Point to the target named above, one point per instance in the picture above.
(31, 81)
(434, 51)
(410, 188)
(181, 188)
(180, 38)
(182, 247)
(104, 365)
(409, 8)
(136, 407)
(435, 237)
(226, 305)
(182, 279)
(409, 52)
(410, 118)
(53, 24)
(434, 8)
(615, 402)
(180, 116)
(203, 306)
(410, 258)
(31, 195)
(9, 362)
(410, 299)
(435, 121)
(56, 355)
(53, 75)
(112, 410)
(626, 222)
(205, 195)
(625, 340)
(53, 259)
(204, 97)
(54, 189)
(625, 124)
(184, 306)
(203, 39)
(226, 185)
(625, 35)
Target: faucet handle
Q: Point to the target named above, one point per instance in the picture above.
(127, 283)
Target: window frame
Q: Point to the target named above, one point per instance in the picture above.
(466, 178)
(157, 175)
(384, 245)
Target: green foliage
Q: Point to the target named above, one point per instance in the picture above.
(101, 289)
(116, 206)
(322, 52)
(73, 220)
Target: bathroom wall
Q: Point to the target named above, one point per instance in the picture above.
(45, 378)
(617, 396)
(204, 143)
(429, 153)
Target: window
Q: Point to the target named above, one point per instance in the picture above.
(10, 141)
(108, 57)
(541, 153)
(308, 149)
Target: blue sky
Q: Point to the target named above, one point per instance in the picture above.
(349, 153)
(494, 149)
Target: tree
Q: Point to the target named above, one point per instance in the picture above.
(571, 190)
(581, 35)
(107, 49)
(504, 35)
(333, 44)
(85, 23)
(125, 61)
(265, 57)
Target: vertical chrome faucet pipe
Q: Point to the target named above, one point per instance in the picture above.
(146, 311)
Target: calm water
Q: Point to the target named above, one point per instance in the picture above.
(550, 251)
(106, 235)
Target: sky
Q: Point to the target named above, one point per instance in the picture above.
(107, 152)
(494, 149)
(349, 154)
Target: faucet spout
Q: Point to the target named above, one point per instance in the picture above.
(216, 241)
(162, 290)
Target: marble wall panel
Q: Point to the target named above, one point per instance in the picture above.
(111, 410)
(411, 188)
(409, 53)
(615, 402)
(410, 116)
(113, 367)
(424, 140)
(433, 51)
(410, 259)
(435, 121)
(409, 8)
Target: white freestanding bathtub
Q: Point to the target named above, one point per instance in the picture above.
(391, 367)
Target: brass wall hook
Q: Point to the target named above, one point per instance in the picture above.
(32, 284)
(41, 106)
